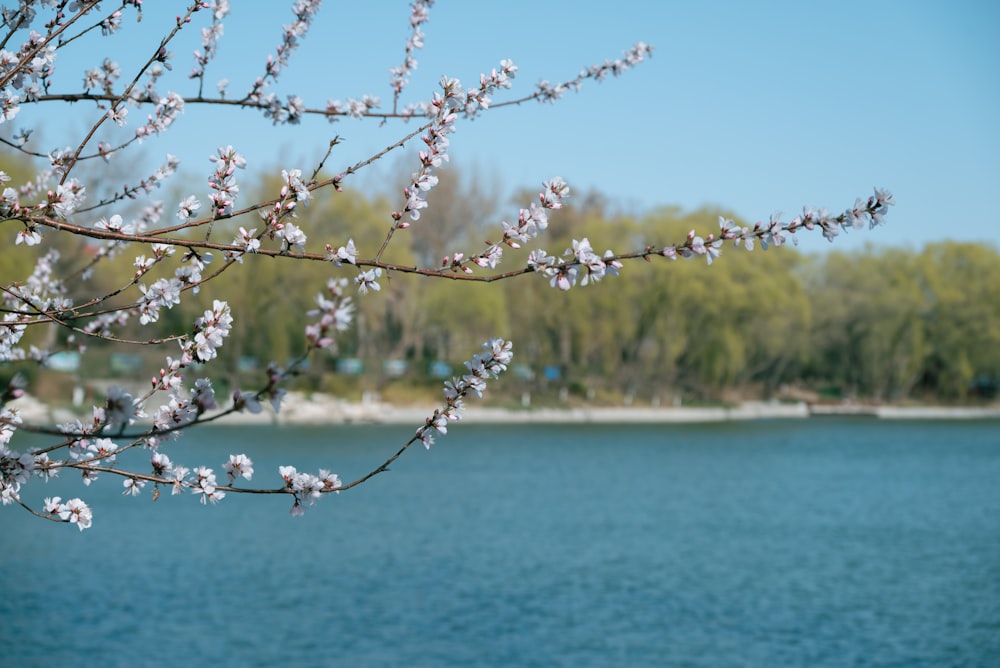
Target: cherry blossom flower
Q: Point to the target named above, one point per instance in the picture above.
(178, 474)
(162, 465)
(9, 204)
(75, 510)
(292, 237)
(288, 474)
(67, 198)
(9, 105)
(120, 408)
(103, 448)
(118, 115)
(713, 248)
(203, 396)
(52, 505)
(331, 481)
(246, 401)
(29, 236)
(212, 328)
(295, 184)
(368, 280)
(205, 486)
(111, 23)
(9, 420)
(188, 207)
(347, 253)
(540, 261)
(238, 466)
(250, 243)
(133, 486)
(115, 224)
(143, 264)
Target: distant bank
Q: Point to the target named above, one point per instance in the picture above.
(298, 408)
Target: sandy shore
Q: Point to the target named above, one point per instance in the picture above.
(302, 409)
(310, 410)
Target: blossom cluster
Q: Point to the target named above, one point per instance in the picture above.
(164, 292)
(530, 223)
(74, 510)
(496, 355)
(103, 77)
(308, 487)
(66, 198)
(305, 12)
(182, 408)
(477, 99)
(294, 191)
(223, 180)
(870, 212)
(436, 140)
(16, 468)
(419, 13)
(353, 107)
(42, 291)
(145, 185)
(165, 112)
(120, 409)
(26, 71)
(210, 330)
(584, 264)
(445, 106)
(201, 480)
(335, 312)
(210, 37)
(547, 92)
(273, 392)
(581, 262)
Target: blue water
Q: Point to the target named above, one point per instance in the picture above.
(799, 543)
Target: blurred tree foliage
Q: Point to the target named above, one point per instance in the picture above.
(882, 323)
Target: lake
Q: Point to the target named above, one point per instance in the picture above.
(820, 542)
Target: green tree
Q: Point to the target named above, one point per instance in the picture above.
(961, 285)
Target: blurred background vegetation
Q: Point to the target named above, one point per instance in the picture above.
(883, 324)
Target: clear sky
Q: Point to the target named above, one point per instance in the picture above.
(752, 106)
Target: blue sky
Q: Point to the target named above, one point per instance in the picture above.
(754, 107)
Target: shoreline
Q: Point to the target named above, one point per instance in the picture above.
(317, 409)
(332, 411)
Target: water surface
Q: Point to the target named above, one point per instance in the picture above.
(835, 542)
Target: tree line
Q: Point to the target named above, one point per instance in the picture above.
(883, 323)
